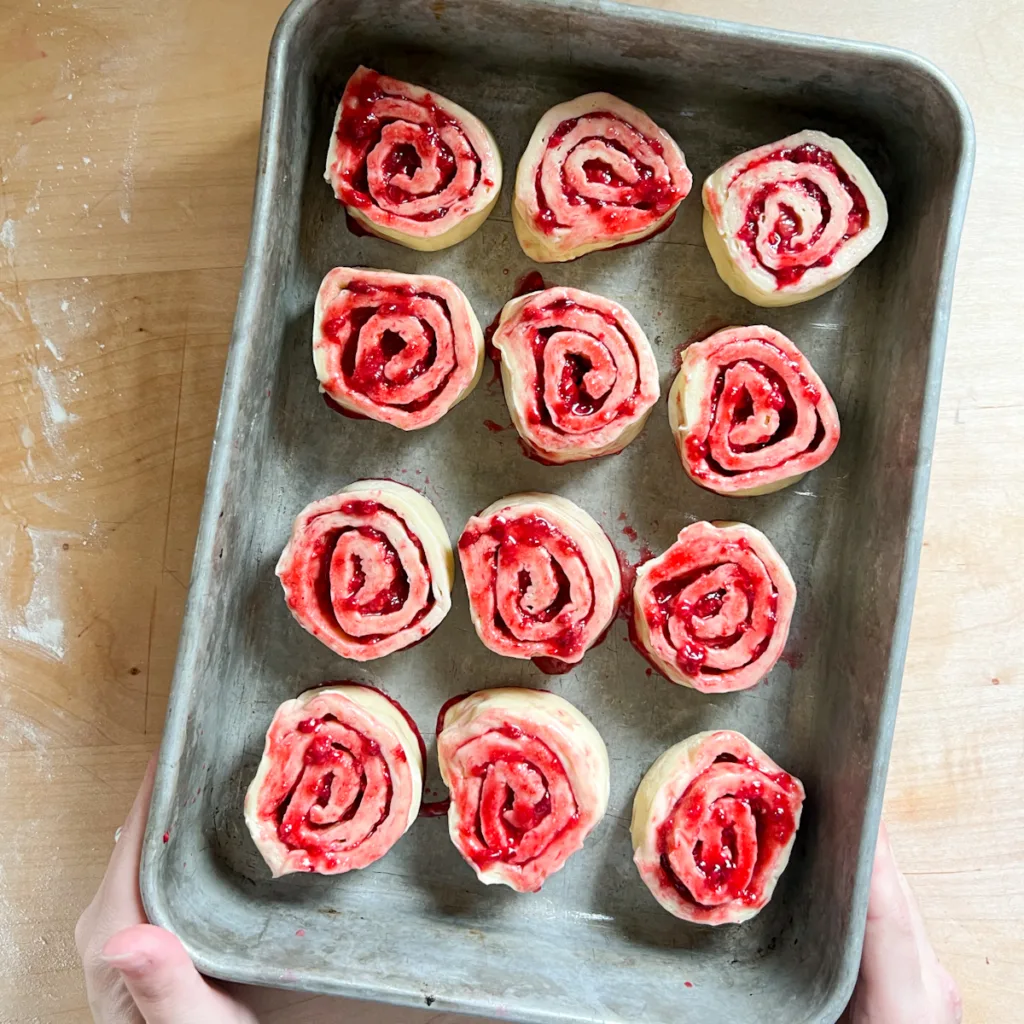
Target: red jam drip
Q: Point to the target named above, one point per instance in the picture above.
(857, 220)
(435, 808)
(647, 193)
(628, 571)
(531, 281)
(356, 228)
(553, 666)
(360, 129)
(341, 410)
(448, 704)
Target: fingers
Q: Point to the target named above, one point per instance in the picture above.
(901, 981)
(166, 987)
(117, 902)
(122, 871)
(891, 983)
(116, 905)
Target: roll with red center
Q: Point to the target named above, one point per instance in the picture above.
(542, 576)
(713, 611)
(528, 776)
(579, 375)
(339, 783)
(789, 221)
(713, 825)
(749, 413)
(410, 165)
(399, 348)
(368, 571)
(596, 173)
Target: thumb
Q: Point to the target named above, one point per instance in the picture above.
(892, 956)
(901, 981)
(163, 981)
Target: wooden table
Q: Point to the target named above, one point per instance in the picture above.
(127, 153)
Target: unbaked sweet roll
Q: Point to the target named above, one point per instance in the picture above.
(596, 173)
(579, 374)
(543, 579)
(749, 414)
(789, 221)
(369, 570)
(528, 776)
(339, 783)
(399, 348)
(713, 611)
(713, 825)
(410, 165)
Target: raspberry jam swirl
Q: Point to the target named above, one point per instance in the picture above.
(398, 348)
(790, 220)
(542, 576)
(410, 165)
(579, 375)
(339, 783)
(713, 611)
(368, 571)
(749, 413)
(596, 173)
(713, 825)
(528, 776)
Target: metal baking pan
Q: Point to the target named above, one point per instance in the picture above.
(416, 928)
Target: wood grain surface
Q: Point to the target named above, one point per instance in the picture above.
(128, 139)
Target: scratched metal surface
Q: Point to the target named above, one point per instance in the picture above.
(416, 928)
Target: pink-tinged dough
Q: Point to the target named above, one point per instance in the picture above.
(410, 165)
(357, 317)
(597, 173)
(579, 375)
(369, 570)
(713, 825)
(713, 611)
(542, 576)
(339, 783)
(528, 776)
(749, 414)
(789, 221)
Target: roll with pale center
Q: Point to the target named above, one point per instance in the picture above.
(398, 348)
(339, 783)
(410, 165)
(579, 374)
(528, 776)
(597, 173)
(713, 611)
(369, 570)
(789, 221)
(713, 824)
(749, 414)
(542, 576)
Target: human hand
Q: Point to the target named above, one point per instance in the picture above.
(136, 973)
(901, 980)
